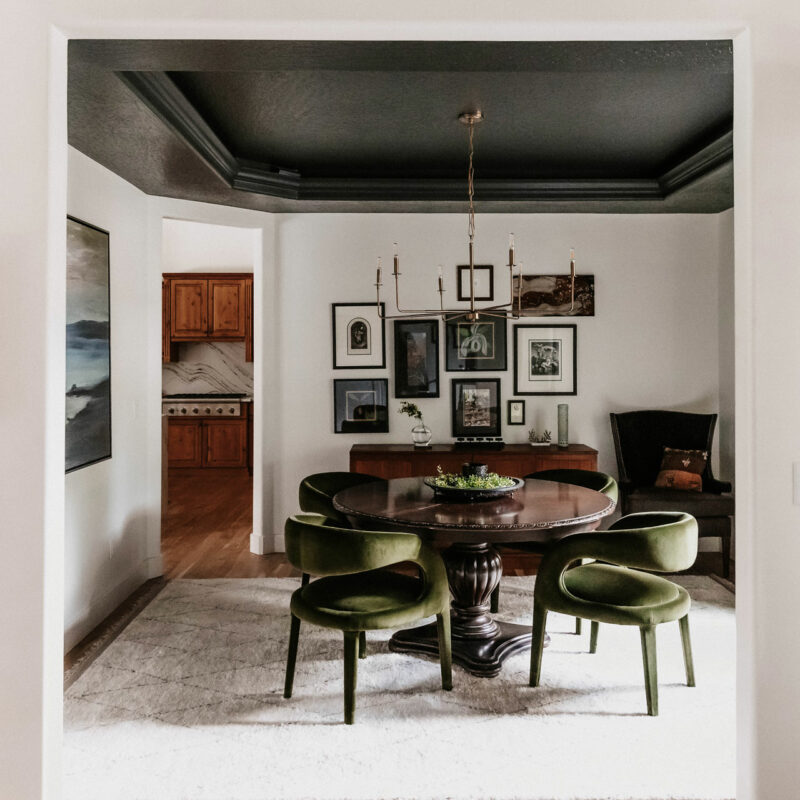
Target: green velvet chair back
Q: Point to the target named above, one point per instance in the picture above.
(589, 479)
(658, 542)
(327, 550)
(317, 492)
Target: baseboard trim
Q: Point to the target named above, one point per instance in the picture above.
(258, 544)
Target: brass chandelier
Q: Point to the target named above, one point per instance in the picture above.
(510, 310)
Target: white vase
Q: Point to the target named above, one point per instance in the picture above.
(421, 435)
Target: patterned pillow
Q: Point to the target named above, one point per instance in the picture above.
(682, 469)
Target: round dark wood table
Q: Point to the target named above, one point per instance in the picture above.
(540, 511)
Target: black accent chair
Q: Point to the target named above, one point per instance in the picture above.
(639, 441)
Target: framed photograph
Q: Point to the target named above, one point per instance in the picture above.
(476, 407)
(361, 406)
(516, 412)
(475, 346)
(551, 295)
(545, 359)
(358, 336)
(88, 368)
(484, 281)
(416, 358)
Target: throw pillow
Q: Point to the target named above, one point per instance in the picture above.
(682, 469)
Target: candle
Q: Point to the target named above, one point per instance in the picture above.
(441, 285)
(572, 262)
(510, 249)
(396, 261)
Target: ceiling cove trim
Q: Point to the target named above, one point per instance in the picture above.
(160, 94)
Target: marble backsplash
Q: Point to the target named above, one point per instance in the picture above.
(213, 367)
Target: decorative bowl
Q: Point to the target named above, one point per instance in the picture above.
(452, 494)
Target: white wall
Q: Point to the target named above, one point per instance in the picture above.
(653, 342)
(106, 508)
(188, 246)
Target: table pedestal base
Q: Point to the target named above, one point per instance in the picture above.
(480, 643)
(481, 657)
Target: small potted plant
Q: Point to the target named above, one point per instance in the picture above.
(538, 441)
(421, 433)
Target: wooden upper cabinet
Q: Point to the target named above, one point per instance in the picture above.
(226, 308)
(189, 309)
(208, 307)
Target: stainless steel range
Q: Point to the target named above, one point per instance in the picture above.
(202, 405)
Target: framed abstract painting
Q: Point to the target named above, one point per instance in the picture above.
(88, 366)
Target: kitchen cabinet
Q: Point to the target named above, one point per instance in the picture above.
(208, 442)
(207, 307)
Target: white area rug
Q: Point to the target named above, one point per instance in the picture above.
(187, 703)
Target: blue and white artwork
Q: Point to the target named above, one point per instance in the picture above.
(88, 389)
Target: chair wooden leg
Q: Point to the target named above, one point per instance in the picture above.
(537, 642)
(593, 637)
(362, 644)
(294, 638)
(726, 554)
(445, 649)
(687, 650)
(648, 634)
(578, 626)
(350, 675)
(495, 601)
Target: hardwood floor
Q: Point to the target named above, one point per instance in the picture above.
(205, 531)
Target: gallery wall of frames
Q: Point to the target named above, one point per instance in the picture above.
(541, 355)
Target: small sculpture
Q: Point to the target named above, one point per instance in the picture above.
(534, 439)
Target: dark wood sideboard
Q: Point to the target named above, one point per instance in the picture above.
(407, 461)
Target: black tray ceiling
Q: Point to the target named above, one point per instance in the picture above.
(354, 126)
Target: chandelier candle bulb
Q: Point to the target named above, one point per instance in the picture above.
(510, 249)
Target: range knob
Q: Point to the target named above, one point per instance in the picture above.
(219, 411)
(208, 410)
(231, 410)
(183, 411)
(170, 411)
(195, 410)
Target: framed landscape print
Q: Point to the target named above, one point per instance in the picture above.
(416, 358)
(88, 367)
(484, 281)
(358, 336)
(545, 359)
(551, 295)
(516, 412)
(476, 407)
(360, 406)
(475, 346)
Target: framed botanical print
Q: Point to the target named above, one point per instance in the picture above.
(416, 358)
(475, 346)
(484, 281)
(88, 365)
(475, 406)
(516, 412)
(358, 336)
(545, 359)
(361, 406)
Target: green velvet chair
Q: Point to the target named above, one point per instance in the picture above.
(589, 479)
(316, 495)
(354, 594)
(617, 591)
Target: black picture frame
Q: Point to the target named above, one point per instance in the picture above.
(416, 358)
(475, 401)
(360, 405)
(475, 346)
(88, 345)
(515, 404)
(462, 275)
(546, 359)
(361, 324)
